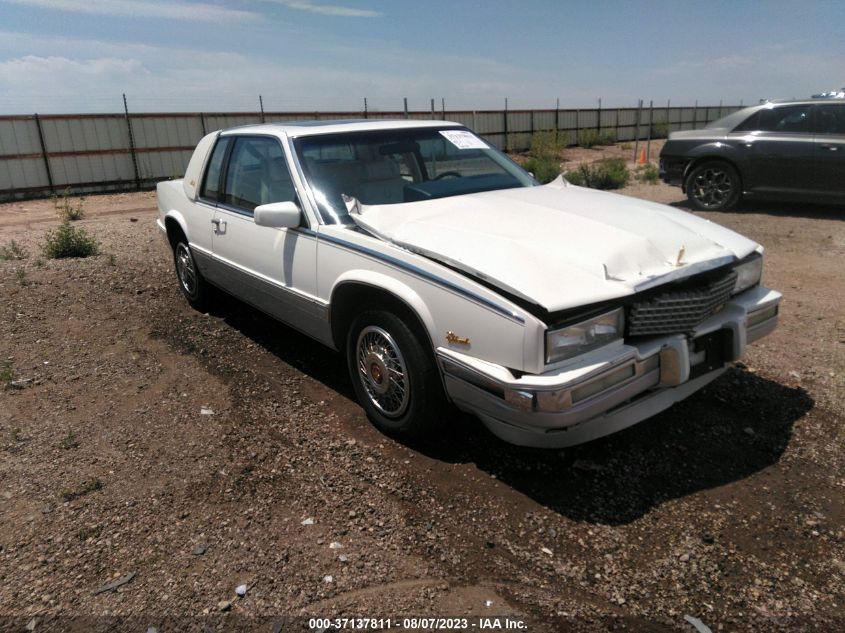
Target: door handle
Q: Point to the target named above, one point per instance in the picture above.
(830, 147)
(219, 225)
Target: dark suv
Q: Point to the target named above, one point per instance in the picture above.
(785, 150)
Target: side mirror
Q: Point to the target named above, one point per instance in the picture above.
(280, 215)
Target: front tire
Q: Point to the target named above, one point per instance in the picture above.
(713, 185)
(191, 282)
(394, 376)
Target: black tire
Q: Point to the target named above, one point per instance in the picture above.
(714, 185)
(191, 282)
(378, 344)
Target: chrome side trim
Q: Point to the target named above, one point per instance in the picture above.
(424, 274)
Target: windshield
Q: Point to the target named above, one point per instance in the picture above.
(405, 165)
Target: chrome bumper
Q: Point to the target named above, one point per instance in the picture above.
(609, 390)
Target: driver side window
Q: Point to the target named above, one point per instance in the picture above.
(257, 174)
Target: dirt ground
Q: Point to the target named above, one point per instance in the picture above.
(200, 452)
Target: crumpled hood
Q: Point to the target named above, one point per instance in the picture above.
(558, 245)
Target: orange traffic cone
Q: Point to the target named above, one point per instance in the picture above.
(642, 160)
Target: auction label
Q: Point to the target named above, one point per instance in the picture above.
(463, 139)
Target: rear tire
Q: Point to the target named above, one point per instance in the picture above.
(714, 185)
(191, 282)
(394, 376)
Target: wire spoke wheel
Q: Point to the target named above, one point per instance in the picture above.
(382, 371)
(185, 269)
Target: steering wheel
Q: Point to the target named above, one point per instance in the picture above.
(447, 174)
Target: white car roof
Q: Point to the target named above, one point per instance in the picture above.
(309, 128)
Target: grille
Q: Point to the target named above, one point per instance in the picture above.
(679, 311)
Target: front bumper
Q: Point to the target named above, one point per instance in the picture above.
(611, 389)
(672, 170)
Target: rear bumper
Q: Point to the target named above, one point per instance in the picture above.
(614, 391)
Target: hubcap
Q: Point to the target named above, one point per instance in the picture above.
(712, 187)
(382, 372)
(185, 269)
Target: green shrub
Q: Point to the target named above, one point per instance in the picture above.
(608, 173)
(660, 130)
(12, 250)
(544, 170)
(592, 138)
(648, 173)
(547, 145)
(69, 241)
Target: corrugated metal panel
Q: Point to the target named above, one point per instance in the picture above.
(23, 173)
(166, 131)
(19, 136)
(92, 168)
(163, 165)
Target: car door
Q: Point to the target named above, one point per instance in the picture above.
(830, 149)
(777, 149)
(273, 269)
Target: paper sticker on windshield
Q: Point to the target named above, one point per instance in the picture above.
(463, 139)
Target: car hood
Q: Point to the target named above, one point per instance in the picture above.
(557, 246)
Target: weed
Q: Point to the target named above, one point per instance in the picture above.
(592, 138)
(12, 250)
(86, 487)
(83, 534)
(69, 441)
(660, 130)
(626, 146)
(39, 262)
(547, 145)
(67, 210)
(544, 169)
(6, 373)
(648, 173)
(608, 173)
(69, 241)
(112, 260)
(20, 277)
(16, 435)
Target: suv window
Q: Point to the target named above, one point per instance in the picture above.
(257, 174)
(831, 119)
(790, 119)
(211, 184)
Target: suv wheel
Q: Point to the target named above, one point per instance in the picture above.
(191, 281)
(713, 186)
(394, 377)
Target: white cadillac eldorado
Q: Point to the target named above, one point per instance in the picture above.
(445, 273)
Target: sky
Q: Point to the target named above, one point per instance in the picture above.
(306, 55)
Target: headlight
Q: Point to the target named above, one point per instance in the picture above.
(585, 336)
(748, 274)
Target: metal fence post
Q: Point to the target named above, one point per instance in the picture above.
(505, 119)
(443, 108)
(557, 118)
(695, 116)
(44, 154)
(131, 143)
(432, 109)
(261, 105)
(577, 127)
(616, 126)
(202, 123)
(668, 117)
(720, 108)
(365, 108)
(650, 123)
(406, 107)
(598, 118)
(637, 132)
